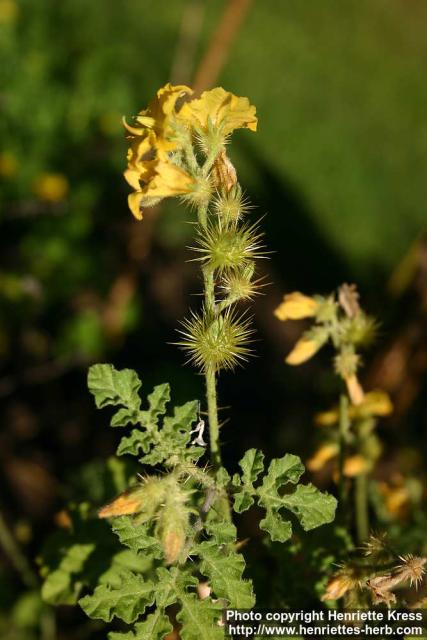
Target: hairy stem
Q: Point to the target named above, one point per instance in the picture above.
(343, 429)
(361, 506)
(211, 397)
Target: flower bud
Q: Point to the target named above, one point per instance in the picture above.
(230, 205)
(173, 521)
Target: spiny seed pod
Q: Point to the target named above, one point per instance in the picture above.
(229, 248)
(230, 206)
(238, 285)
(216, 343)
(359, 330)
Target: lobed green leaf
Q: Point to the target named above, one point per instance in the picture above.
(126, 599)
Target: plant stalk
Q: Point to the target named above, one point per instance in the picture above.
(13, 551)
(344, 425)
(211, 396)
(361, 507)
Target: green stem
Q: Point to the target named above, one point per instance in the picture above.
(13, 551)
(361, 507)
(211, 397)
(344, 425)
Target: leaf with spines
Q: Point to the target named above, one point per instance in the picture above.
(157, 401)
(116, 388)
(252, 464)
(311, 506)
(199, 618)
(135, 443)
(126, 599)
(62, 585)
(224, 567)
(136, 536)
(155, 627)
(282, 472)
(71, 558)
(172, 440)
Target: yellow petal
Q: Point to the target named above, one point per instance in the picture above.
(127, 503)
(326, 418)
(221, 109)
(296, 306)
(354, 389)
(134, 202)
(355, 466)
(304, 349)
(396, 498)
(132, 178)
(52, 187)
(8, 164)
(375, 403)
(168, 180)
(325, 453)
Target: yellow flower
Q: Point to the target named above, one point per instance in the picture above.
(355, 466)
(396, 496)
(159, 118)
(52, 187)
(375, 403)
(8, 164)
(159, 179)
(304, 349)
(325, 453)
(220, 109)
(9, 11)
(296, 306)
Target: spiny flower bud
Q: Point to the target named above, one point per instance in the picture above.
(216, 343)
(230, 206)
(228, 248)
(347, 362)
(143, 500)
(173, 521)
(238, 285)
(359, 330)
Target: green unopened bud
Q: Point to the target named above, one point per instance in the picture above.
(326, 311)
(173, 521)
(230, 206)
(347, 362)
(143, 500)
(359, 330)
(238, 285)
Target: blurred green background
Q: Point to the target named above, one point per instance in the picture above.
(338, 166)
